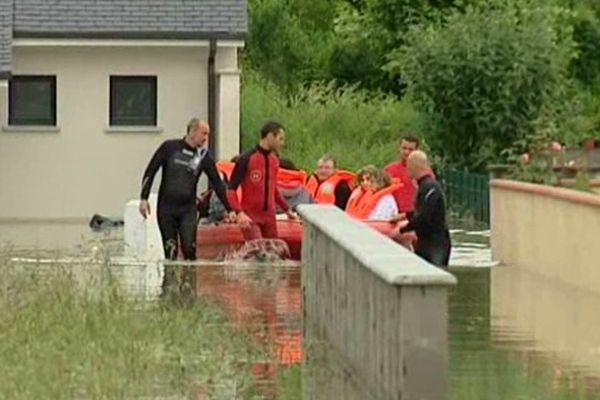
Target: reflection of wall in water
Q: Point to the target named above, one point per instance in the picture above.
(469, 305)
(560, 318)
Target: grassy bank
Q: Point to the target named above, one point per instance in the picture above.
(354, 126)
(57, 342)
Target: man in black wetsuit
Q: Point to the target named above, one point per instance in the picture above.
(182, 162)
(429, 217)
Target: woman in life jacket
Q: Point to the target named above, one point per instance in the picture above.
(373, 198)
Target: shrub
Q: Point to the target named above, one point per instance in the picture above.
(485, 75)
(356, 127)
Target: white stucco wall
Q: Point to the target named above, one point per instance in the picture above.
(82, 169)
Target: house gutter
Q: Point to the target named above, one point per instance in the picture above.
(212, 97)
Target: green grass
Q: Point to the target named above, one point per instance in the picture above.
(356, 127)
(59, 342)
(289, 383)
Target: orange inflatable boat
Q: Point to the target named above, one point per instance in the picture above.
(214, 240)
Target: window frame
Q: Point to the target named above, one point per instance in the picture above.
(12, 95)
(113, 83)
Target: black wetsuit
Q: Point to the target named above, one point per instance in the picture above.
(181, 166)
(429, 223)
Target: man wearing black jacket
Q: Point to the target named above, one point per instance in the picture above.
(182, 162)
(429, 217)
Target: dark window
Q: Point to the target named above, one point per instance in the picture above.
(32, 100)
(132, 101)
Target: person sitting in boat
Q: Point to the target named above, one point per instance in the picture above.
(373, 198)
(290, 183)
(329, 185)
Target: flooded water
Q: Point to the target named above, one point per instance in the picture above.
(511, 335)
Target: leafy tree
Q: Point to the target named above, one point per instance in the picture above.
(487, 74)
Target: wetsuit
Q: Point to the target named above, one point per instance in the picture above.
(256, 172)
(429, 223)
(181, 166)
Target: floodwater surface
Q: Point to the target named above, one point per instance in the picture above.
(511, 335)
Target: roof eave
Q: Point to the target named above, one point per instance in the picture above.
(131, 35)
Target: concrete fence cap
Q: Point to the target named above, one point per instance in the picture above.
(387, 259)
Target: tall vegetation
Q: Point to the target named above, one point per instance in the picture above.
(355, 126)
(482, 73)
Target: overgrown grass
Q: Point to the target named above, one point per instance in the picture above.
(58, 342)
(356, 127)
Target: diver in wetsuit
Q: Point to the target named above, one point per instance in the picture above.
(429, 217)
(182, 162)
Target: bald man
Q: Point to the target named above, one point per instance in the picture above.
(182, 162)
(429, 218)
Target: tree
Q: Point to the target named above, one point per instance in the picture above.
(486, 75)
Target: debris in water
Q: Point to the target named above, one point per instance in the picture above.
(263, 250)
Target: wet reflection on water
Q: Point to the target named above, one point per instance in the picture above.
(511, 335)
(47, 236)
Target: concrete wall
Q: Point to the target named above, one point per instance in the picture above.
(82, 167)
(381, 309)
(549, 231)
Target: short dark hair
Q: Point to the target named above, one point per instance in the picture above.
(286, 163)
(270, 127)
(410, 137)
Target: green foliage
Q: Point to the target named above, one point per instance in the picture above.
(480, 72)
(59, 342)
(289, 40)
(586, 33)
(485, 75)
(356, 127)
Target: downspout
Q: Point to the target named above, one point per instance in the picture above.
(212, 97)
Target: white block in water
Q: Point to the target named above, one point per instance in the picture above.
(142, 236)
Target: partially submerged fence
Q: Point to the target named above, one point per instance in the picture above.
(468, 194)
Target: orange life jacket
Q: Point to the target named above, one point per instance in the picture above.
(226, 168)
(324, 192)
(290, 179)
(362, 203)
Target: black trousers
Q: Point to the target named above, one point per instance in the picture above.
(178, 225)
(435, 248)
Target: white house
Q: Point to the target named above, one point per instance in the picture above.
(90, 88)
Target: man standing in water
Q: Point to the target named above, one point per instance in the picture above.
(429, 218)
(405, 197)
(182, 162)
(256, 172)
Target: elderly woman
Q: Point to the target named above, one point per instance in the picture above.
(373, 197)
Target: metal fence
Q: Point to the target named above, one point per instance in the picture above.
(468, 194)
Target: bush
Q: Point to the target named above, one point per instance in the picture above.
(486, 75)
(356, 127)
(290, 41)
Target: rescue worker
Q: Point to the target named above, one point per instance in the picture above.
(256, 173)
(328, 185)
(405, 197)
(429, 218)
(182, 162)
